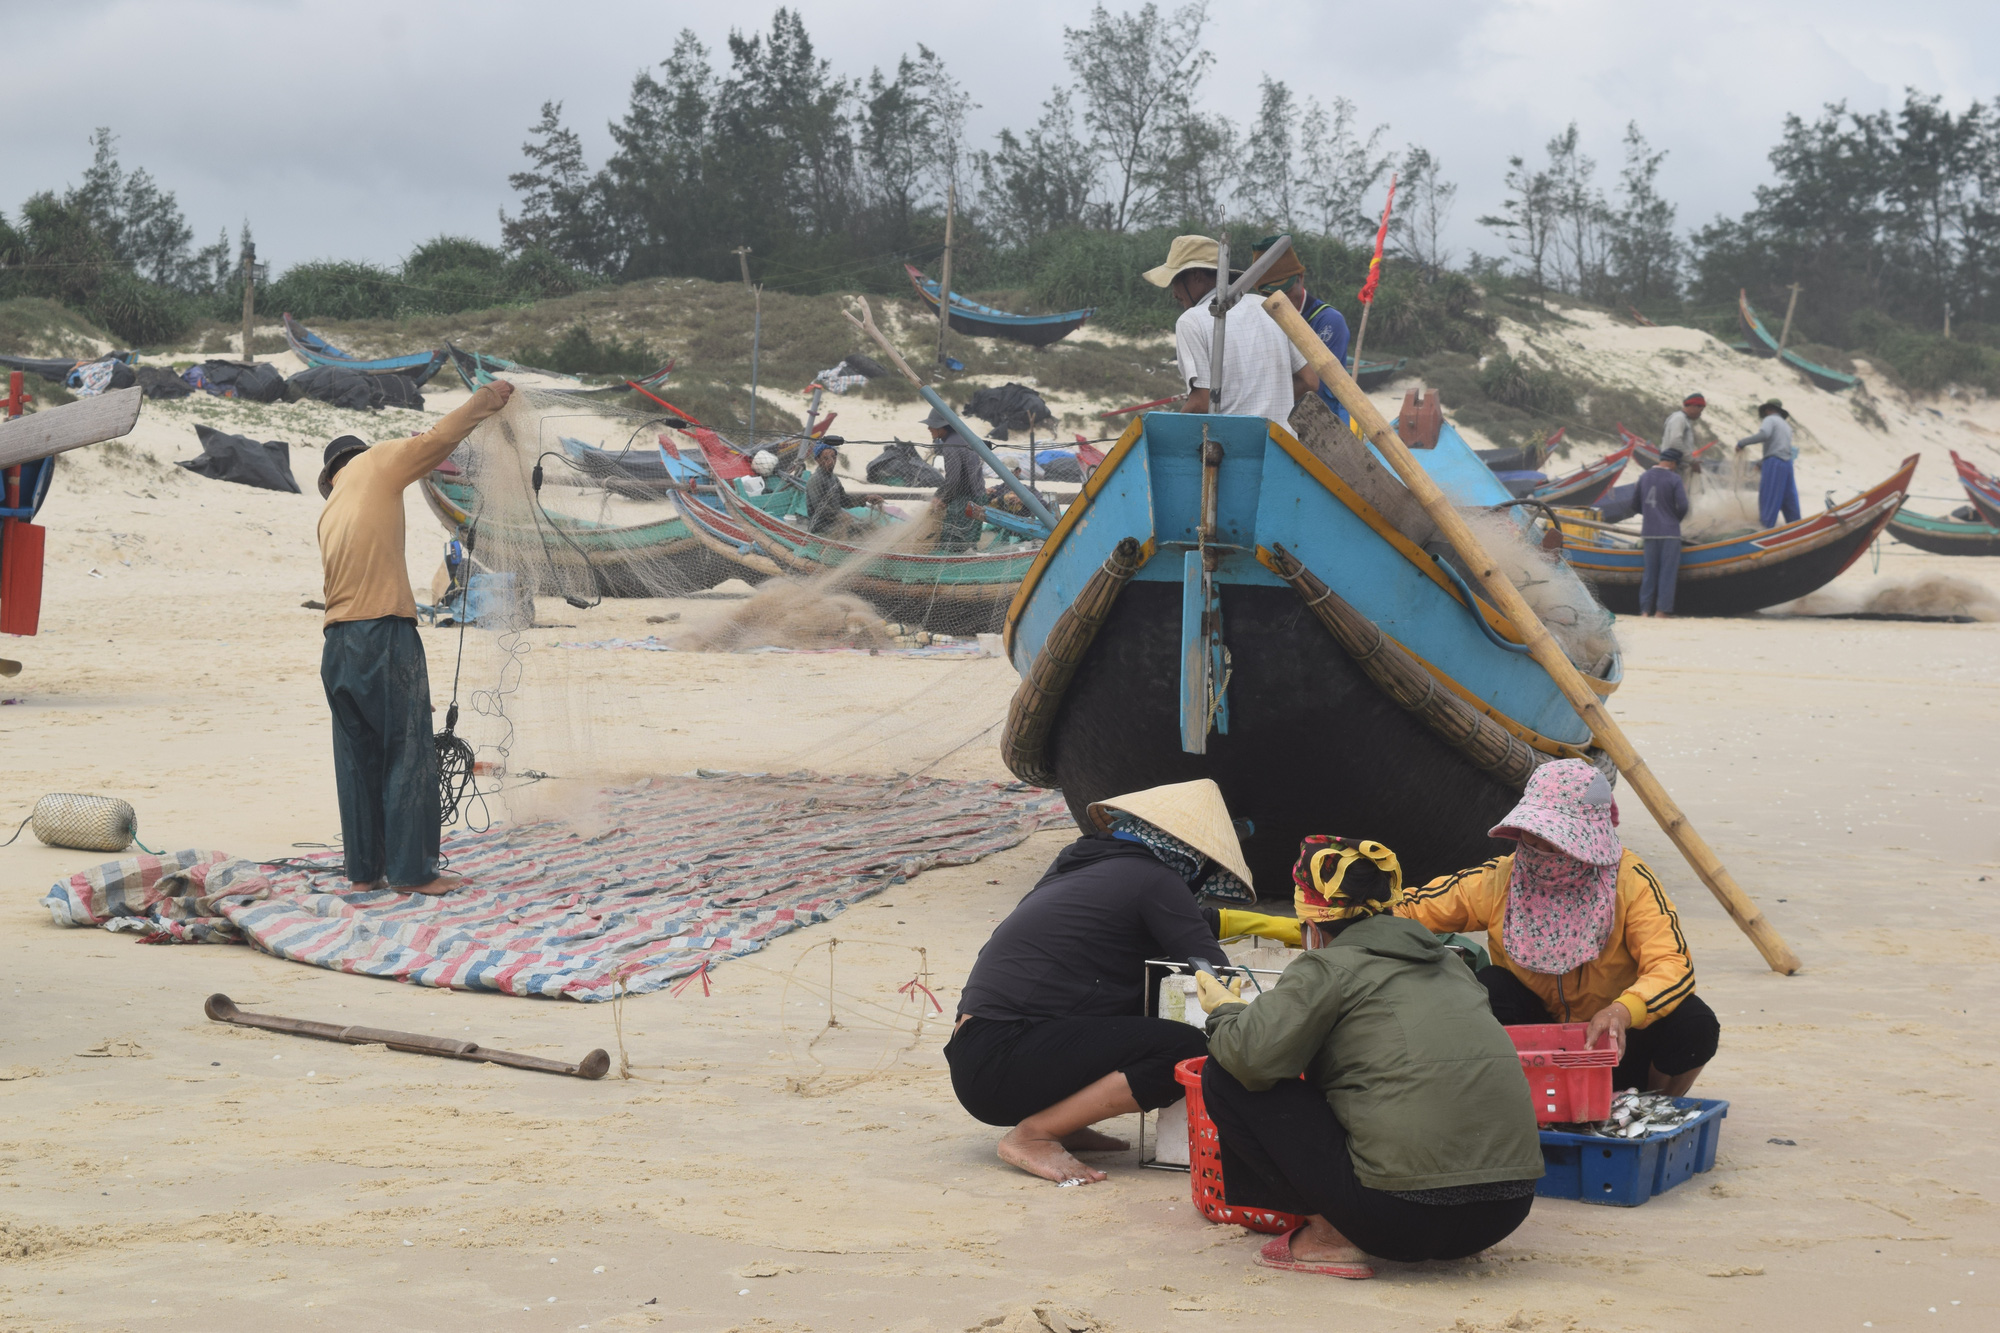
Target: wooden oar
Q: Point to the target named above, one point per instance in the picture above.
(1541, 646)
(223, 1010)
(70, 426)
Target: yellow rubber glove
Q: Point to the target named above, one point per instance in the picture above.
(1212, 993)
(1284, 929)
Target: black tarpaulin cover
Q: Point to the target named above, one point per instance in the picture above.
(248, 462)
(259, 383)
(353, 388)
(1010, 407)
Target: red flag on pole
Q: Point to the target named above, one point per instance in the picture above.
(1367, 292)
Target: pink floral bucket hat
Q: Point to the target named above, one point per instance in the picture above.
(1570, 804)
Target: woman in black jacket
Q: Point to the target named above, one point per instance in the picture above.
(1050, 1036)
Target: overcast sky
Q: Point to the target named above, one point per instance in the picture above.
(356, 130)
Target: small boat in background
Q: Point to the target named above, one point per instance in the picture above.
(417, 367)
(983, 321)
(477, 368)
(1984, 490)
(57, 369)
(1587, 485)
(1739, 575)
(960, 593)
(1944, 536)
(1764, 345)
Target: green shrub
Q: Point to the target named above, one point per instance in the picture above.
(1512, 383)
(141, 313)
(577, 353)
(334, 289)
(1925, 362)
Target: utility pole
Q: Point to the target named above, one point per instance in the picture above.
(756, 343)
(742, 253)
(249, 292)
(1791, 305)
(944, 282)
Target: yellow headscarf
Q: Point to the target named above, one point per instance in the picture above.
(1322, 866)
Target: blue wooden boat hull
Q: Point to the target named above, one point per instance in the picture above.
(314, 350)
(1305, 741)
(985, 321)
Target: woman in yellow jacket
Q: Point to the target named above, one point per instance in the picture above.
(1580, 931)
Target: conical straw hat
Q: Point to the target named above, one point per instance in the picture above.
(1191, 811)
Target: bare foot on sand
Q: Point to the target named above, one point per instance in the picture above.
(1318, 1243)
(1089, 1140)
(444, 883)
(1046, 1158)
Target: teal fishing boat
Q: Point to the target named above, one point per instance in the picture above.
(1229, 600)
(1761, 343)
(958, 592)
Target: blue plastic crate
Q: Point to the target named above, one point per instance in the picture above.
(1627, 1172)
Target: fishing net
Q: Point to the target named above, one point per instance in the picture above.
(565, 502)
(1722, 498)
(1576, 620)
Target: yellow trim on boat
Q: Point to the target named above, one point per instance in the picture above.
(1372, 516)
(1099, 478)
(1525, 734)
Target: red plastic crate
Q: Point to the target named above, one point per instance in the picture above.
(1567, 1081)
(1205, 1164)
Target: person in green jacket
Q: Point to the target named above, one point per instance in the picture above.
(1412, 1135)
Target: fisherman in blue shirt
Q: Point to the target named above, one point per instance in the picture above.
(1288, 275)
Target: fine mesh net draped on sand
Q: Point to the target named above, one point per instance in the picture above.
(675, 873)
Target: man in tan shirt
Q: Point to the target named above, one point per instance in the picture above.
(372, 664)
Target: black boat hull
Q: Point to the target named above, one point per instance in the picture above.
(1314, 746)
(1752, 589)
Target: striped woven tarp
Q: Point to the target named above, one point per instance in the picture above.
(663, 878)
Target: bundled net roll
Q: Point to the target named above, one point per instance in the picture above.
(84, 823)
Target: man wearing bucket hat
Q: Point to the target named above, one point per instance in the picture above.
(1288, 275)
(1581, 931)
(1777, 487)
(964, 483)
(1411, 1135)
(372, 662)
(1263, 375)
(1051, 1035)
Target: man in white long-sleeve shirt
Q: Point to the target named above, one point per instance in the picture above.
(1263, 375)
(1777, 487)
(1679, 432)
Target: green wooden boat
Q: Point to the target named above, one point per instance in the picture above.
(1944, 536)
(658, 558)
(1761, 343)
(959, 593)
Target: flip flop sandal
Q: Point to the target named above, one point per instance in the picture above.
(1277, 1253)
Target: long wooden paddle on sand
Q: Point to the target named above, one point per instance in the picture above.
(223, 1010)
(1541, 647)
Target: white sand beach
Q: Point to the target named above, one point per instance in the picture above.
(160, 1171)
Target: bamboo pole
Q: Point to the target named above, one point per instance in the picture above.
(944, 278)
(1700, 856)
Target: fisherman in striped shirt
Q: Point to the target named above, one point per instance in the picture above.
(1581, 932)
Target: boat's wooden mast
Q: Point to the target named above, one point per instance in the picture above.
(944, 281)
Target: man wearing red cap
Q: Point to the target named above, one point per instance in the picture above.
(1679, 433)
